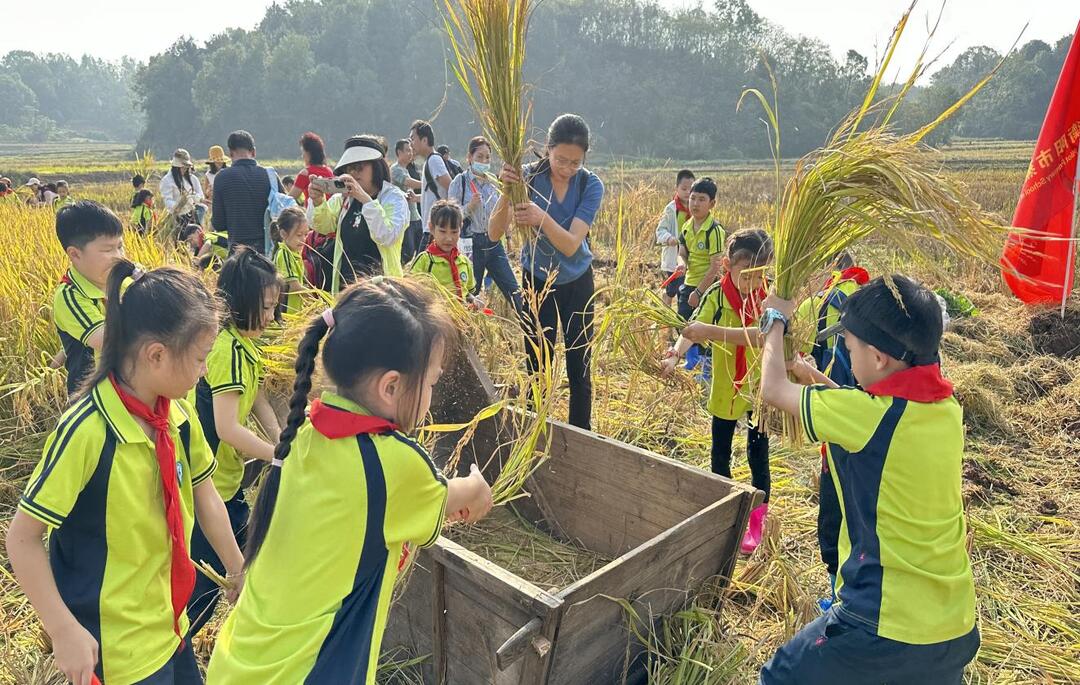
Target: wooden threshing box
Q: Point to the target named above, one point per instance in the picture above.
(667, 526)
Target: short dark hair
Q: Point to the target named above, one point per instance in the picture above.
(705, 186)
(446, 213)
(288, 180)
(423, 130)
(189, 230)
(137, 181)
(683, 175)
(241, 140)
(476, 143)
(401, 145)
(312, 144)
(244, 278)
(85, 220)
(140, 197)
(443, 149)
(901, 308)
(750, 245)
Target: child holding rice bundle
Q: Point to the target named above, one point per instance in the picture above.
(120, 484)
(727, 318)
(347, 496)
(906, 610)
(227, 395)
(831, 356)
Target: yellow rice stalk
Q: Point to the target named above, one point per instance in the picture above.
(488, 41)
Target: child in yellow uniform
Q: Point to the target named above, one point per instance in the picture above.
(727, 318)
(119, 484)
(442, 259)
(93, 239)
(291, 229)
(349, 493)
(227, 395)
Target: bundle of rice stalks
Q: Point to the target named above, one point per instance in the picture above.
(488, 41)
(871, 180)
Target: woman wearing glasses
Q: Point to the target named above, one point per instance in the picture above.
(557, 276)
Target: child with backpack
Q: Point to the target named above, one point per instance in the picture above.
(348, 496)
(120, 484)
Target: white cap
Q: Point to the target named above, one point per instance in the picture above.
(33, 182)
(357, 153)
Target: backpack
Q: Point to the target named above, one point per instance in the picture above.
(429, 181)
(276, 203)
(835, 361)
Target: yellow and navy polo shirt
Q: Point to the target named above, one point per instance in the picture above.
(904, 570)
(291, 269)
(439, 268)
(316, 598)
(234, 365)
(701, 245)
(98, 486)
(811, 310)
(219, 246)
(725, 402)
(78, 311)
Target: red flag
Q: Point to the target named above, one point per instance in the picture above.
(1043, 258)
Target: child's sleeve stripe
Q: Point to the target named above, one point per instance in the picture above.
(40, 513)
(207, 472)
(90, 331)
(439, 521)
(76, 309)
(807, 415)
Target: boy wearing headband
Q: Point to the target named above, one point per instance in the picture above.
(906, 595)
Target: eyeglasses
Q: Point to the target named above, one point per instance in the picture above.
(574, 164)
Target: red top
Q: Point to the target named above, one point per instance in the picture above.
(303, 179)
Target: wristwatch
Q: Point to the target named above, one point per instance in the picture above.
(771, 316)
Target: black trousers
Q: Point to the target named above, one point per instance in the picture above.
(571, 305)
(205, 595)
(757, 453)
(829, 518)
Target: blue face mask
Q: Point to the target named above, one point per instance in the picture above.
(482, 169)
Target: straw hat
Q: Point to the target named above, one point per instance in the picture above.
(217, 155)
(182, 159)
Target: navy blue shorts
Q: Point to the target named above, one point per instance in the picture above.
(181, 669)
(831, 650)
(672, 288)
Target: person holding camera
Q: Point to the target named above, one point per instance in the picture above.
(365, 210)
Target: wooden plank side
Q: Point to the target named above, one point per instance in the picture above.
(409, 625)
(642, 493)
(655, 577)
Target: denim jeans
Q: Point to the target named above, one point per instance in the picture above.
(490, 256)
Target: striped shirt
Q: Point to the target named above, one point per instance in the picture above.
(78, 312)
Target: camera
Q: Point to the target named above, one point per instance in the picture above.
(329, 186)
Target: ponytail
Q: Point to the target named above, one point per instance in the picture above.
(166, 305)
(306, 355)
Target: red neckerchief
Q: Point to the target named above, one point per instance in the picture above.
(451, 257)
(66, 279)
(916, 384)
(202, 241)
(680, 207)
(337, 423)
(182, 571)
(748, 312)
(855, 273)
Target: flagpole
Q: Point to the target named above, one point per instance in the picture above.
(1065, 289)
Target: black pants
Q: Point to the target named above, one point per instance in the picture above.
(683, 301)
(204, 597)
(757, 453)
(830, 650)
(571, 305)
(411, 241)
(829, 519)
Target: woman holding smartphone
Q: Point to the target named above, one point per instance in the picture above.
(368, 213)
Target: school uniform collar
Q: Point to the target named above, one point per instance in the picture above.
(121, 422)
(246, 344)
(923, 383)
(83, 285)
(705, 226)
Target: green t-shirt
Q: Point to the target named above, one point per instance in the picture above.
(701, 245)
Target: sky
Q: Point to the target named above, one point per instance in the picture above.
(114, 29)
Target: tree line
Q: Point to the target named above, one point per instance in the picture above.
(652, 82)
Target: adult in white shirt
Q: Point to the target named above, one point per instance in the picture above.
(436, 178)
(181, 191)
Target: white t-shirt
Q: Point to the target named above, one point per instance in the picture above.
(436, 167)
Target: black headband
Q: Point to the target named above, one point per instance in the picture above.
(872, 335)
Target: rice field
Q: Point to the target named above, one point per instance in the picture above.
(1022, 413)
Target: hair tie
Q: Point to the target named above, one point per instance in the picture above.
(328, 317)
(276, 463)
(129, 281)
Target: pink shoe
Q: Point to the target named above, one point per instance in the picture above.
(754, 529)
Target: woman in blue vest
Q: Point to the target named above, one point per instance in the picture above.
(557, 275)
